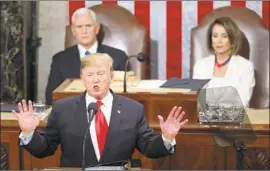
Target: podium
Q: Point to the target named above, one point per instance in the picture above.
(155, 100)
(76, 168)
(196, 148)
(62, 168)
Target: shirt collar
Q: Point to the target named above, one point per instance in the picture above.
(92, 49)
(107, 100)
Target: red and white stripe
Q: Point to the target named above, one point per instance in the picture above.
(169, 24)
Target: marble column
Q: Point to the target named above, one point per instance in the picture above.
(16, 27)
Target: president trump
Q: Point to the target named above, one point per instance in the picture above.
(117, 129)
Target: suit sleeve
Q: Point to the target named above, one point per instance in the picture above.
(54, 80)
(246, 86)
(148, 143)
(44, 142)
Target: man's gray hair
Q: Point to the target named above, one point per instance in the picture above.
(83, 11)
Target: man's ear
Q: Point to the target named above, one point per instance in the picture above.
(97, 28)
(81, 75)
(73, 29)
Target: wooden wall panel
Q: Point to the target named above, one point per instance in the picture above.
(10, 140)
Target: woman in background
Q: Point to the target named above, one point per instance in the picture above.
(225, 67)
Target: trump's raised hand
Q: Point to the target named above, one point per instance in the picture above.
(173, 123)
(27, 121)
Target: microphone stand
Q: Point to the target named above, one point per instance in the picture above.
(92, 113)
(125, 73)
(140, 57)
(127, 164)
(240, 152)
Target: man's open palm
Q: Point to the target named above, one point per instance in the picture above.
(173, 124)
(25, 116)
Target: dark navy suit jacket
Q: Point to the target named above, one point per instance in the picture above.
(67, 63)
(67, 125)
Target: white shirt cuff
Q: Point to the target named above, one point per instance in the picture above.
(169, 144)
(25, 138)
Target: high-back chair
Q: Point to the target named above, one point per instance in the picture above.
(255, 47)
(119, 29)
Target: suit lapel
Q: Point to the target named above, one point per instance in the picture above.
(100, 48)
(80, 114)
(211, 67)
(115, 123)
(116, 116)
(82, 123)
(230, 67)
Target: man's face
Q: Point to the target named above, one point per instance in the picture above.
(97, 80)
(85, 29)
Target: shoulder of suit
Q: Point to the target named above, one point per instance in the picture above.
(205, 60)
(242, 62)
(128, 101)
(109, 49)
(68, 100)
(241, 59)
(64, 53)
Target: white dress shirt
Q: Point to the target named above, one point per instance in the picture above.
(106, 109)
(92, 49)
(239, 74)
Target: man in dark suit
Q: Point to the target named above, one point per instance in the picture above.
(118, 127)
(66, 64)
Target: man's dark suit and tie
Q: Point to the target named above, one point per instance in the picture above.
(67, 125)
(121, 118)
(66, 64)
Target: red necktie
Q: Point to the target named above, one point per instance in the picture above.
(101, 128)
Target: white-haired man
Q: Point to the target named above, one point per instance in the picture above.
(118, 128)
(66, 64)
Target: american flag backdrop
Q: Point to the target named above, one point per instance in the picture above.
(169, 24)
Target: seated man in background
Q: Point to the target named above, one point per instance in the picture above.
(225, 67)
(66, 64)
(118, 127)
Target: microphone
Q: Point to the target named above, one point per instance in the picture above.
(92, 110)
(140, 57)
(127, 164)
